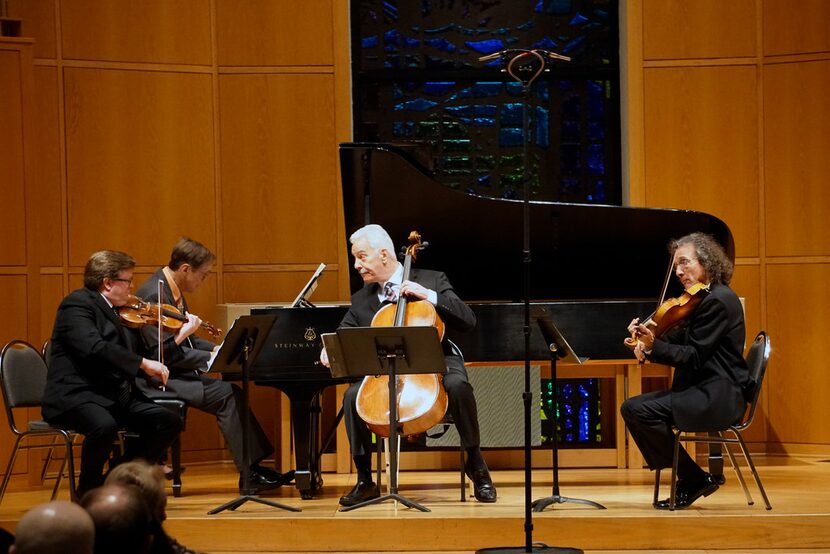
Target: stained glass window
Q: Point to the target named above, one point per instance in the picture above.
(417, 78)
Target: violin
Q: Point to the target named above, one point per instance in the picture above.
(422, 400)
(672, 312)
(137, 313)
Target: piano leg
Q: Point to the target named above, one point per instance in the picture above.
(305, 418)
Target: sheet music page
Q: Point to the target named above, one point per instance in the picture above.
(216, 351)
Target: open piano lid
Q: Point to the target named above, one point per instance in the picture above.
(578, 251)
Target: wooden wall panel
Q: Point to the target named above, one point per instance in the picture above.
(281, 286)
(795, 27)
(680, 29)
(38, 18)
(51, 294)
(140, 162)
(796, 164)
(746, 282)
(701, 145)
(279, 167)
(274, 32)
(13, 306)
(798, 383)
(13, 179)
(46, 181)
(157, 31)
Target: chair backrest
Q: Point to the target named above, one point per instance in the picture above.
(22, 376)
(757, 358)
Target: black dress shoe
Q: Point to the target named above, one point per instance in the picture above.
(483, 487)
(687, 492)
(261, 482)
(273, 475)
(362, 491)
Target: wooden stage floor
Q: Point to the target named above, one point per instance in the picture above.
(799, 489)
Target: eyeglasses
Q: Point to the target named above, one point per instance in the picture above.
(685, 262)
(128, 281)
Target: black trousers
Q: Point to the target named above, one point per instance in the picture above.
(223, 400)
(462, 407)
(649, 420)
(156, 428)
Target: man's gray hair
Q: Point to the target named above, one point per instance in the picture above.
(376, 236)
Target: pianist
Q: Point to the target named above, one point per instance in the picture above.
(374, 255)
(711, 376)
(190, 262)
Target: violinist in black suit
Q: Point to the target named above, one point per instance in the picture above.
(189, 265)
(93, 366)
(374, 255)
(711, 379)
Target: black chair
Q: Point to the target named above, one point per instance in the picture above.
(757, 359)
(23, 380)
(175, 405)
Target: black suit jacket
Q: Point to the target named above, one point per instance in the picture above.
(92, 354)
(711, 375)
(193, 354)
(451, 309)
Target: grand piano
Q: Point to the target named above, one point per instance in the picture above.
(593, 269)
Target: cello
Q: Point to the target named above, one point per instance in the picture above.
(422, 400)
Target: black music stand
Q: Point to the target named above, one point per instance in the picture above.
(559, 350)
(361, 351)
(239, 350)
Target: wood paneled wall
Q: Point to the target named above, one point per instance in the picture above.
(220, 120)
(150, 120)
(727, 113)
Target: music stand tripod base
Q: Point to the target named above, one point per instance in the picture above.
(239, 351)
(538, 548)
(361, 351)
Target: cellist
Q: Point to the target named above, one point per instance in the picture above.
(711, 380)
(375, 261)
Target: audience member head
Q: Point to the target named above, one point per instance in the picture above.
(148, 478)
(123, 522)
(55, 527)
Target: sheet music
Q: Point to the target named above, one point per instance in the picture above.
(216, 350)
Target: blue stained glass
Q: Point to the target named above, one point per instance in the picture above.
(441, 43)
(418, 105)
(546, 43)
(439, 63)
(573, 44)
(487, 110)
(569, 131)
(509, 136)
(571, 158)
(512, 40)
(458, 111)
(577, 19)
(369, 42)
(409, 42)
(559, 7)
(596, 159)
(391, 37)
(596, 131)
(501, 31)
(390, 11)
(442, 29)
(426, 8)
(525, 26)
(481, 90)
(600, 190)
(584, 421)
(389, 48)
(483, 180)
(539, 6)
(403, 128)
(511, 114)
(570, 108)
(484, 122)
(412, 60)
(438, 88)
(542, 127)
(489, 46)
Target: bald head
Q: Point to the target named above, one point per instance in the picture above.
(54, 527)
(123, 522)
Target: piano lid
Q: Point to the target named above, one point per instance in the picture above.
(578, 251)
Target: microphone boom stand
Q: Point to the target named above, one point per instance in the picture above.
(525, 66)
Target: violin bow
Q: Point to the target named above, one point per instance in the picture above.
(161, 337)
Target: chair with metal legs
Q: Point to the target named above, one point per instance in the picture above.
(23, 380)
(757, 359)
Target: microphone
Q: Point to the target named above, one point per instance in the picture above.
(553, 55)
(502, 53)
